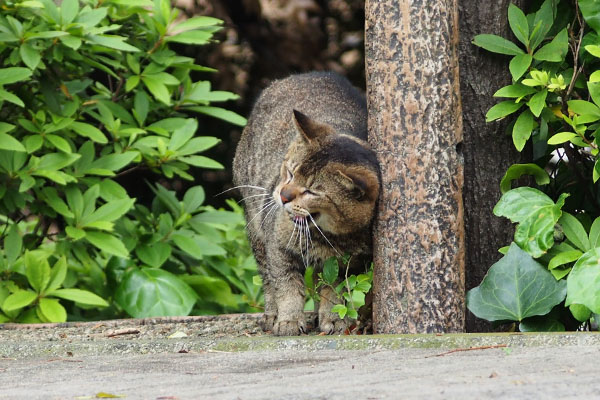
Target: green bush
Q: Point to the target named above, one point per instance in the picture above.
(549, 278)
(90, 91)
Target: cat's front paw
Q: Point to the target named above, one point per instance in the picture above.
(267, 321)
(292, 327)
(331, 324)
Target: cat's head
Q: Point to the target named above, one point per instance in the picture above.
(329, 177)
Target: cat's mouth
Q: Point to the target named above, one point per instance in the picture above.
(302, 220)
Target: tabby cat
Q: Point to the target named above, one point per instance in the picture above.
(310, 182)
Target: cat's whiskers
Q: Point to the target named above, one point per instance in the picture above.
(302, 232)
(269, 204)
(273, 207)
(322, 234)
(247, 198)
(242, 186)
(291, 237)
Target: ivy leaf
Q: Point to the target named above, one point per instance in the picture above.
(515, 288)
(152, 292)
(536, 215)
(584, 280)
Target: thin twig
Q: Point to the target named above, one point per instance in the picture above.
(496, 346)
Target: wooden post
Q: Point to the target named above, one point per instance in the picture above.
(415, 128)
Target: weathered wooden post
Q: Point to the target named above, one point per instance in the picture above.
(415, 128)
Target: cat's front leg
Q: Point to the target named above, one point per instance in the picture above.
(289, 297)
(329, 322)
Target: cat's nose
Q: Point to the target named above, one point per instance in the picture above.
(287, 194)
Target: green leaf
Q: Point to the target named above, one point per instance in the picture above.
(11, 98)
(196, 246)
(80, 296)
(196, 23)
(584, 280)
(193, 199)
(556, 50)
(202, 162)
(52, 311)
(593, 50)
(56, 161)
(595, 233)
(158, 90)
(141, 106)
(535, 214)
(13, 244)
(516, 90)
(501, 110)
(515, 171)
(114, 161)
(594, 89)
(561, 137)
(543, 21)
(75, 233)
(330, 270)
(574, 231)
(522, 129)
(68, 11)
(590, 9)
(54, 201)
(132, 83)
(183, 134)
(153, 255)
(580, 312)
(19, 299)
(190, 37)
(8, 142)
(519, 65)
(107, 243)
(538, 102)
(497, 44)
(564, 258)
(113, 42)
(340, 309)
(515, 288)
(30, 56)
(37, 270)
(150, 292)
(211, 289)
(14, 74)
(220, 113)
(58, 142)
(57, 274)
(218, 217)
(518, 24)
(541, 324)
(110, 211)
(583, 107)
(89, 131)
(197, 145)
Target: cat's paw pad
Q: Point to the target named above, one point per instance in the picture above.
(267, 322)
(333, 325)
(289, 328)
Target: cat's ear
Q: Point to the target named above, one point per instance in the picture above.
(361, 182)
(308, 128)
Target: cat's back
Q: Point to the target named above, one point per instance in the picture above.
(323, 96)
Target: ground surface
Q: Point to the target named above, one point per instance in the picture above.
(229, 358)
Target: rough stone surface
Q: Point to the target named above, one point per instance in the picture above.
(228, 358)
(415, 129)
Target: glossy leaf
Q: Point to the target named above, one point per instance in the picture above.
(19, 299)
(519, 65)
(151, 292)
(574, 231)
(80, 296)
(538, 102)
(37, 270)
(8, 142)
(518, 24)
(107, 242)
(590, 9)
(536, 215)
(330, 270)
(584, 280)
(52, 310)
(153, 255)
(515, 171)
(556, 50)
(497, 44)
(501, 110)
(515, 288)
(522, 129)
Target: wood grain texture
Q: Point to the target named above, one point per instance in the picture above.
(415, 129)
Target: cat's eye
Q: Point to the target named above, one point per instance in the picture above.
(306, 191)
(290, 175)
